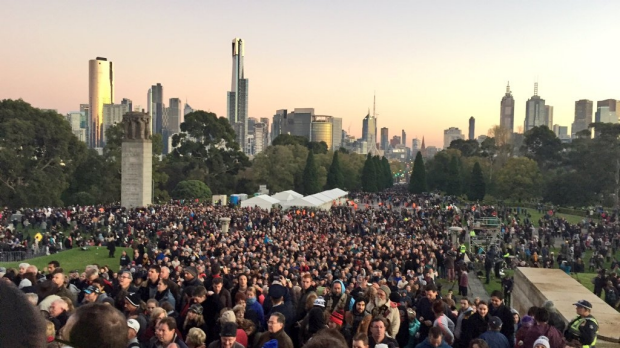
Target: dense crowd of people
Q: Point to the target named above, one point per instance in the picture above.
(367, 274)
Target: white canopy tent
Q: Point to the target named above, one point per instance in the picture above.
(288, 195)
(304, 202)
(262, 201)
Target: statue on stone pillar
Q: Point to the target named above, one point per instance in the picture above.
(136, 126)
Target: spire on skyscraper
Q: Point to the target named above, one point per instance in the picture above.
(535, 88)
(508, 88)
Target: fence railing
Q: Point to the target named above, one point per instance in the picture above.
(20, 255)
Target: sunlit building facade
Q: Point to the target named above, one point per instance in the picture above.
(100, 91)
(321, 129)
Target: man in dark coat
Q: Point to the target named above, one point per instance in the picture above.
(500, 310)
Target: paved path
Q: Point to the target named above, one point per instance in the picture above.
(476, 288)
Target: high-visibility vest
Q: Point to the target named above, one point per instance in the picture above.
(463, 248)
(574, 329)
(472, 233)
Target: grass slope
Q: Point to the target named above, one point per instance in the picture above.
(75, 259)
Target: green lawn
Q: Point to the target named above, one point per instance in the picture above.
(573, 219)
(75, 259)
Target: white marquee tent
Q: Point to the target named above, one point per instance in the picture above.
(262, 201)
(288, 195)
(322, 200)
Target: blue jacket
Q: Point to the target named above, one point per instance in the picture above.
(495, 339)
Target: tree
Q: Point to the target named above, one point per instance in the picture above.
(438, 169)
(208, 151)
(454, 184)
(38, 155)
(519, 179)
(477, 186)
(310, 176)
(335, 179)
(287, 139)
(417, 184)
(369, 175)
(468, 148)
(279, 166)
(543, 146)
(376, 162)
(351, 165)
(387, 170)
(191, 189)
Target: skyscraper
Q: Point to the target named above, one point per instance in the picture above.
(156, 108)
(112, 115)
(321, 130)
(450, 135)
(472, 128)
(369, 131)
(265, 120)
(279, 123)
(187, 110)
(100, 91)
(127, 102)
(535, 112)
(549, 115)
(403, 138)
(507, 110)
(583, 116)
(385, 140)
(237, 101)
(336, 133)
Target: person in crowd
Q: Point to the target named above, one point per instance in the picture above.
(543, 328)
(478, 343)
(223, 294)
(25, 326)
(275, 331)
(584, 327)
(477, 324)
(378, 330)
(228, 337)
(194, 319)
(433, 340)
(94, 322)
(133, 311)
(493, 337)
(164, 292)
(133, 327)
(358, 319)
(154, 318)
(195, 338)
(211, 308)
(555, 319)
(360, 340)
(500, 310)
(166, 334)
(59, 313)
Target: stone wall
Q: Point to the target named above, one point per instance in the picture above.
(137, 173)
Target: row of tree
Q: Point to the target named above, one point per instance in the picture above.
(42, 163)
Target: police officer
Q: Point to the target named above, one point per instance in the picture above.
(583, 328)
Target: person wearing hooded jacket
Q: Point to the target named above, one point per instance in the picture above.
(337, 298)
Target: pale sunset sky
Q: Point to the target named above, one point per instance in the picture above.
(433, 64)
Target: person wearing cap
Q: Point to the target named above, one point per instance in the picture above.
(493, 337)
(228, 337)
(91, 294)
(133, 327)
(277, 293)
(584, 327)
(314, 320)
(132, 311)
(499, 309)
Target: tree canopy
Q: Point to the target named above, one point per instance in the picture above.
(417, 183)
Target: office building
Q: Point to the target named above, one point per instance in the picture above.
(265, 121)
(112, 115)
(237, 101)
(279, 123)
(156, 108)
(403, 138)
(175, 115)
(301, 119)
(607, 111)
(395, 141)
(127, 102)
(415, 147)
(260, 137)
(507, 110)
(472, 128)
(369, 132)
(583, 116)
(76, 120)
(535, 112)
(85, 109)
(100, 92)
(549, 114)
(336, 133)
(187, 110)
(451, 134)
(385, 142)
(562, 133)
(321, 130)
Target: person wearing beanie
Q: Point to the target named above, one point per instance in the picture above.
(555, 319)
(382, 306)
(526, 323)
(228, 337)
(542, 342)
(336, 319)
(228, 316)
(493, 337)
(313, 321)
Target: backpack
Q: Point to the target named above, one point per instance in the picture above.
(270, 344)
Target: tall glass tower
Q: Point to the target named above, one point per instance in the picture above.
(100, 91)
(237, 101)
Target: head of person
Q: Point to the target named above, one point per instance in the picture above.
(438, 307)
(133, 327)
(327, 338)
(240, 299)
(541, 315)
(165, 330)
(337, 288)
(164, 273)
(360, 304)
(306, 281)
(190, 273)
(132, 302)
(151, 304)
(199, 294)
(583, 308)
(194, 312)
(464, 303)
(495, 324)
(336, 319)
(52, 265)
(435, 336)
(378, 326)
(57, 308)
(93, 323)
(431, 292)
(542, 342)
(59, 279)
(497, 297)
(275, 323)
(242, 279)
(153, 273)
(25, 326)
(228, 334)
(218, 284)
(163, 285)
(360, 340)
(23, 268)
(383, 295)
(91, 293)
(482, 309)
(195, 338)
(124, 279)
(478, 343)
(156, 316)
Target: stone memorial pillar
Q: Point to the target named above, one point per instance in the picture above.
(137, 162)
(225, 224)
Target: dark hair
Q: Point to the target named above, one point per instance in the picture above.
(498, 294)
(156, 268)
(541, 315)
(167, 306)
(94, 322)
(381, 319)
(361, 336)
(482, 302)
(54, 263)
(171, 322)
(532, 311)
(25, 326)
(438, 306)
(279, 316)
(327, 338)
(199, 291)
(480, 342)
(435, 332)
(218, 281)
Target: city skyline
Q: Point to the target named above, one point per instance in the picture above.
(410, 61)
